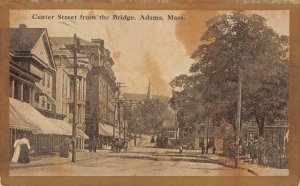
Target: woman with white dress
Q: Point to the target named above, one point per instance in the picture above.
(16, 155)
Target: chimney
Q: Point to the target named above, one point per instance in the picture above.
(22, 26)
(99, 41)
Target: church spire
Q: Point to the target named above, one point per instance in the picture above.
(149, 93)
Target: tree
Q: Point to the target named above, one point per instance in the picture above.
(237, 42)
(149, 115)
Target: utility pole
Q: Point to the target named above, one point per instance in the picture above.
(238, 117)
(118, 107)
(124, 120)
(74, 135)
(119, 116)
(206, 152)
(114, 129)
(129, 123)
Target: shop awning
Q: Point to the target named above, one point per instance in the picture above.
(24, 115)
(67, 127)
(16, 121)
(107, 130)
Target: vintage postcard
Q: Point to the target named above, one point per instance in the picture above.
(149, 93)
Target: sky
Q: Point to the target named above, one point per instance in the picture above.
(143, 51)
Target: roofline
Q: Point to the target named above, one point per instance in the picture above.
(49, 46)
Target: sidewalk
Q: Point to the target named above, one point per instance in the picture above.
(255, 169)
(46, 160)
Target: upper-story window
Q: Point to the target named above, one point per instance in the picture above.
(88, 84)
(49, 80)
(87, 107)
(44, 78)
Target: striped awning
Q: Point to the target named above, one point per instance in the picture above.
(25, 116)
(67, 127)
(17, 122)
(107, 130)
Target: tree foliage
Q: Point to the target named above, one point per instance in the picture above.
(235, 41)
(148, 115)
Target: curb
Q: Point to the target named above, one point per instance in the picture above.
(50, 164)
(242, 168)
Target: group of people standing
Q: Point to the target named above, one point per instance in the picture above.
(21, 150)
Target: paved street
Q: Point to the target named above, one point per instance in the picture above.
(138, 161)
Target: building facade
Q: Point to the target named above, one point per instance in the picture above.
(64, 59)
(32, 89)
(32, 68)
(101, 90)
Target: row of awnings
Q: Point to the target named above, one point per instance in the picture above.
(25, 117)
(107, 130)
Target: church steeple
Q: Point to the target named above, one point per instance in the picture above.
(149, 92)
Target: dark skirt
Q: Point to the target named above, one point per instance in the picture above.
(24, 154)
(64, 151)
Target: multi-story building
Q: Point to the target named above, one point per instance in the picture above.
(100, 90)
(32, 68)
(63, 54)
(32, 91)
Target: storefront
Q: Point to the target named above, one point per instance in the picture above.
(45, 134)
(106, 133)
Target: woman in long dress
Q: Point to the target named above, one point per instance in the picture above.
(16, 155)
(24, 150)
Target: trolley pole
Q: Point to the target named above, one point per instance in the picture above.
(74, 140)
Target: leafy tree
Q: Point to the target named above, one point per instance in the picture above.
(235, 42)
(148, 115)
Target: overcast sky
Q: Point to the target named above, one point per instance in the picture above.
(142, 50)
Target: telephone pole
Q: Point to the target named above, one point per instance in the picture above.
(124, 120)
(238, 117)
(129, 123)
(206, 152)
(119, 107)
(74, 135)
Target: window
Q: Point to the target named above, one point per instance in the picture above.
(202, 129)
(87, 107)
(48, 80)
(88, 84)
(44, 78)
(211, 142)
(201, 142)
(71, 108)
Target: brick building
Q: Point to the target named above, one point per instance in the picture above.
(101, 90)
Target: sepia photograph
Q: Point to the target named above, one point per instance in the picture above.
(149, 92)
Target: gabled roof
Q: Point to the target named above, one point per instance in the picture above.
(24, 39)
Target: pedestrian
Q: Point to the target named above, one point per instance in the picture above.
(214, 149)
(16, 155)
(24, 150)
(92, 144)
(95, 143)
(64, 148)
(113, 145)
(180, 148)
(202, 150)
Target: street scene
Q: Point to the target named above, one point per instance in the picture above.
(148, 93)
